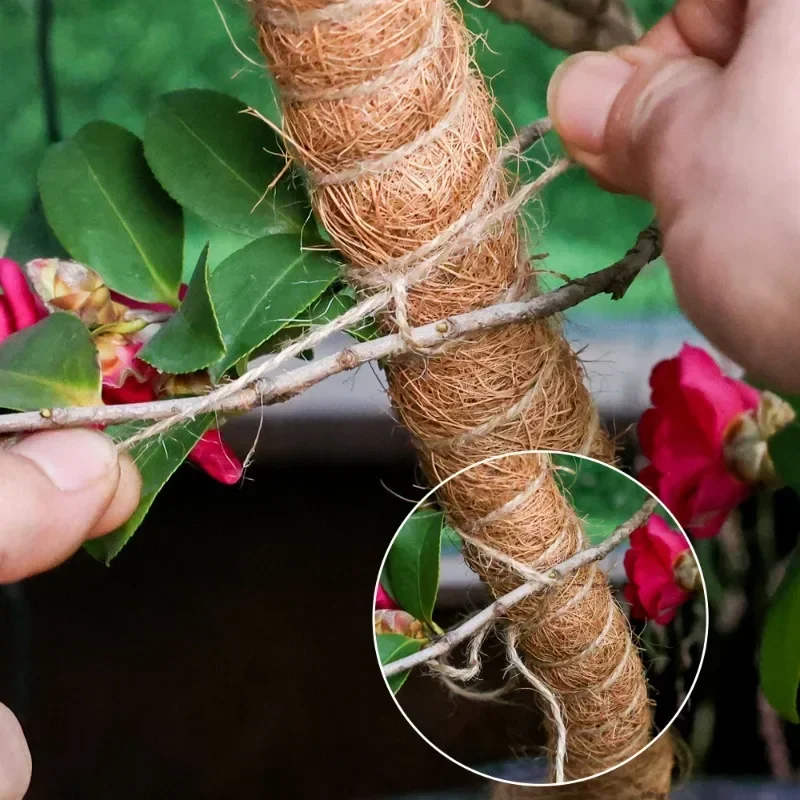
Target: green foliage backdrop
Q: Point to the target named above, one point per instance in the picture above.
(113, 58)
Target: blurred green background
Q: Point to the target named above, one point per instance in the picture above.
(112, 58)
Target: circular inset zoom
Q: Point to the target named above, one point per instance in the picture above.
(541, 618)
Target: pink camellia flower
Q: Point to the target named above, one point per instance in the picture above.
(695, 407)
(120, 328)
(19, 306)
(384, 601)
(661, 570)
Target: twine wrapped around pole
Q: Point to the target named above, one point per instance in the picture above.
(396, 134)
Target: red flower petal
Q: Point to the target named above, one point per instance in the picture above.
(22, 301)
(714, 397)
(668, 603)
(649, 565)
(138, 304)
(131, 391)
(7, 326)
(216, 458)
(632, 596)
(666, 543)
(695, 403)
(715, 496)
(383, 600)
(647, 430)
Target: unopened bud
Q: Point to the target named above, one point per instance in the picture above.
(70, 286)
(395, 621)
(687, 573)
(190, 385)
(746, 441)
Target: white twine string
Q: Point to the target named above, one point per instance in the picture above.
(395, 277)
(338, 12)
(513, 504)
(377, 166)
(390, 73)
(547, 694)
(461, 240)
(509, 414)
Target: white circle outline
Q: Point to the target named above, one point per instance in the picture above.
(472, 769)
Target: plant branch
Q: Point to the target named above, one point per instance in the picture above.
(612, 280)
(500, 607)
(574, 25)
(44, 21)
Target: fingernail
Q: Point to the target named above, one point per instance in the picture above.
(72, 459)
(581, 94)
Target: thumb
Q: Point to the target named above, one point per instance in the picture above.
(58, 489)
(631, 118)
(15, 758)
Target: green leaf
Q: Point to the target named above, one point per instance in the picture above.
(333, 304)
(157, 459)
(784, 447)
(219, 162)
(393, 647)
(602, 497)
(191, 339)
(450, 539)
(33, 237)
(780, 646)
(413, 564)
(107, 209)
(51, 364)
(262, 288)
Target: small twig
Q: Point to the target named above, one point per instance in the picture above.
(498, 609)
(614, 279)
(649, 246)
(530, 134)
(44, 21)
(774, 738)
(574, 25)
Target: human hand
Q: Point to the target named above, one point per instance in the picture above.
(57, 489)
(702, 118)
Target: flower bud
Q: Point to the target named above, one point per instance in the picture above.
(70, 286)
(188, 385)
(746, 441)
(687, 573)
(118, 362)
(395, 621)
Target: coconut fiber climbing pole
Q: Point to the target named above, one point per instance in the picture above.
(395, 131)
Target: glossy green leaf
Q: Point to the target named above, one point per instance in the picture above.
(333, 304)
(261, 289)
(110, 213)
(450, 539)
(393, 647)
(191, 339)
(413, 564)
(51, 364)
(157, 459)
(785, 446)
(33, 237)
(603, 498)
(219, 162)
(780, 646)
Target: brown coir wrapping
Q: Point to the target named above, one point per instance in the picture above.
(396, 132)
